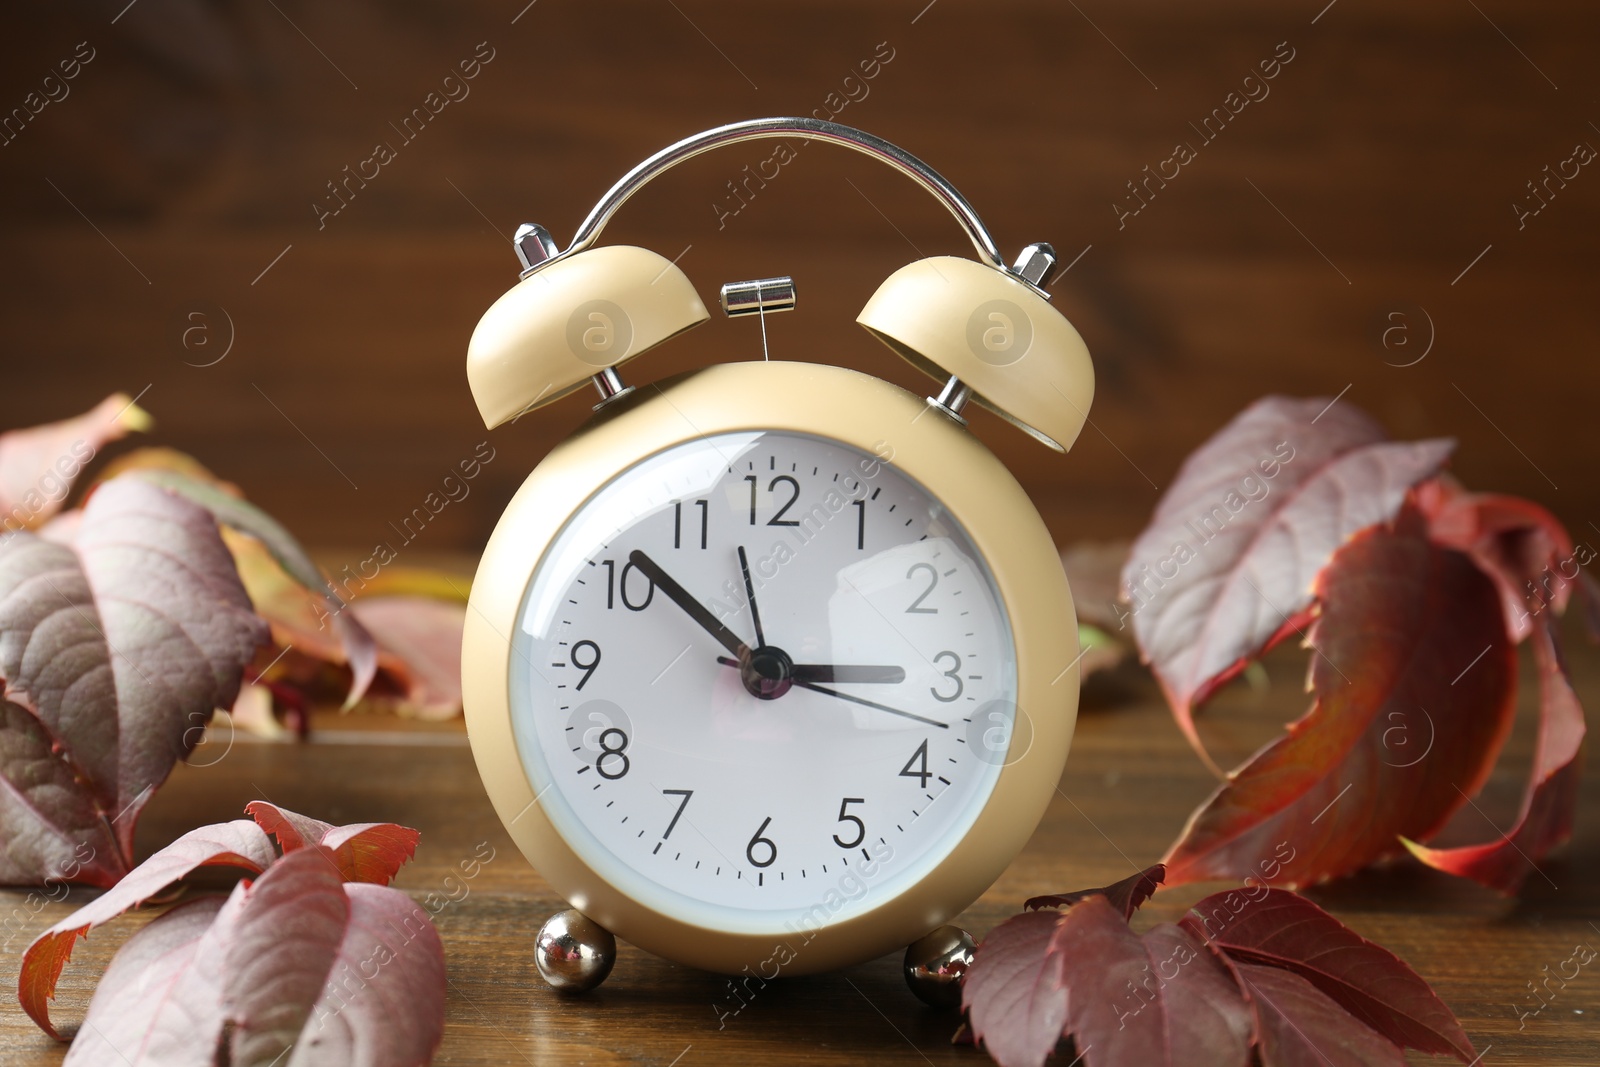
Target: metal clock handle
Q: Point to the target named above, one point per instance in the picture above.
(536, 248)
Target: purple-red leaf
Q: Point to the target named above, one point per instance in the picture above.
(233, 844)
(277, 954)
(1125, 896)
(1519, 544)
(1283, 929)
(114, 652)
(1297, 1025)
(383, 1004)
(1392, 746)
(151, 1006)
(1012, 991)
(1551, 798)
(362, 852)
(1147, 1001)
(1227, 563)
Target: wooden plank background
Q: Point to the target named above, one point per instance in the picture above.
(167, 199)
(1386, 157)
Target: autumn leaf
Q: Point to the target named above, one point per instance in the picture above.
(342, 972)
(286, 553)
(1252, 968)
(361, 852)
(39, 465)
(419, 644)
(1551, 798)
(1278, 928)
(114, 650)
(1125, 896)
(1298, 1025)
(1012, 991)
(151, 997)
(1226, 566)
(1147, 1000)
(240, 844)
(1391, 739)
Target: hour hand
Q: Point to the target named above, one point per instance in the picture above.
(692, 607)
(803, 673)
(838, 672)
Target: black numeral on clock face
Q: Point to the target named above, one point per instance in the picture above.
(684, 803)
(613, 743)
(766, 842)
(916, 607)
(588, 669)
(772, 487)
(845, 816)
(917, 766)
(677, 522)
(616, 585)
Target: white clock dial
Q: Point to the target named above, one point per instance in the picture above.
(769, 761)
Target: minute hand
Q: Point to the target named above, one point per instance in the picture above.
(692, 607)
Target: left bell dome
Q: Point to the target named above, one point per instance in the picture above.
(571, 319)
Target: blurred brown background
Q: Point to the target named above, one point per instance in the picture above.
(172, 187)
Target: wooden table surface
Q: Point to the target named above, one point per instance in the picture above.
(1129, 784)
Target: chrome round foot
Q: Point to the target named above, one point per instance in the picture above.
(934, 966)
(573, 952)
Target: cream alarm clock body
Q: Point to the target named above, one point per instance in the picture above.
(771, 666)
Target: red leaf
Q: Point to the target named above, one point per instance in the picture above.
(383, 1005)
(1286, 930)
(1162, 998)
(1402, 621)
(234, 844)
(363, 852)
(114, 651)
(1297, 1025)
(158, 999)
(1522, 546)
(1012, 991)
(1125, 896)
(1551, 798)
(271, 981)
(420, 637)
(1226, 566)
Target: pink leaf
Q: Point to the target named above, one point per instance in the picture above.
(277, 956)
(1297, 1025)
(1551, 797)
(1226, 565)
(1392, 746)
(1159, 999)
(39, 465)
(363, 852)
(383, 1004)
(114, 653)
(233, 844)
(1125, 896)
(1283, 929)
(423, 634)
(149, 1008)
(1012, 992)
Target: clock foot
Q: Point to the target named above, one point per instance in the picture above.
(574, 953)
(934, 966)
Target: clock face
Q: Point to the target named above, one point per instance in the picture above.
(762, 681)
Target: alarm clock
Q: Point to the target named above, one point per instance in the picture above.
(771, 668)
